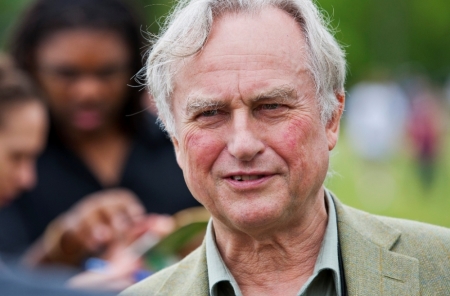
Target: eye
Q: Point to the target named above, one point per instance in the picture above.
(67, 73)
(270, 106)
(210, 113)
(111, 72)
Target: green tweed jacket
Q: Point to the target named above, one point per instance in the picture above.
(382, 256)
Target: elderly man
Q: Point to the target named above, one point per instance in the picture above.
(251, 92)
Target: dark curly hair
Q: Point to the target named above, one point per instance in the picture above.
(46, 17)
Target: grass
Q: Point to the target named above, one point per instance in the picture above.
(392, 187)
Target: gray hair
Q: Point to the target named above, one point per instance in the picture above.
(186, 31)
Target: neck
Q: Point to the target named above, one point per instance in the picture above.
(278, 263)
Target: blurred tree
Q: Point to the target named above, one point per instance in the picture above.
(8, 14)
(384, 34)
(429, 25)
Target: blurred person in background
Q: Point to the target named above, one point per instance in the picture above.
(105, 163)
(447, 92)
(23, 127)
(425, 128)
(376, 115)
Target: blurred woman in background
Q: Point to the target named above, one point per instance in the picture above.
(105, 161)
(23, 127)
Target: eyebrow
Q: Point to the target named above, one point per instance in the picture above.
(284, 92)
(196, 103)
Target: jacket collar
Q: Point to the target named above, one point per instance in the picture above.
(371, 267)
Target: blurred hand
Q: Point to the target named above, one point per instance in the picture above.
(137, 239)
(93, 225)
(101, 219)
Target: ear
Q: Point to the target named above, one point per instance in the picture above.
(176, 145)
(332, 127)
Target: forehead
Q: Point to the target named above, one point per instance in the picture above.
(246, 53)
(23, 123)
(82, 46)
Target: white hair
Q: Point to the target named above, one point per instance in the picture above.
(187, 29)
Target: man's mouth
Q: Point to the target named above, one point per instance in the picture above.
(246, 177)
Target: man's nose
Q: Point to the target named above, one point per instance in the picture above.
(245, 142)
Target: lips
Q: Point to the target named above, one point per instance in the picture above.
(87, 119)
(242, 176)
(246, 177)
(248, 181)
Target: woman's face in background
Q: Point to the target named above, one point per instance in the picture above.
(22, 136)
(84, 74)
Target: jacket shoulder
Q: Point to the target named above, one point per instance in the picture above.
(420, 238)
(426, 244)
(151, 285)
(418, 235)
(187, 277)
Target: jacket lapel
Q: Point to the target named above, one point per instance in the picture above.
(370, 267)
(190, 277)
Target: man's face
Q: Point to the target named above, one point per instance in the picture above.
(22, 137)
(249, 136)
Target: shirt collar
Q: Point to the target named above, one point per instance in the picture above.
(217, 270)
(328, 257)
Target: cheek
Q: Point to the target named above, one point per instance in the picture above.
(117, 91)
(50, 85)
(199, 153)
(297, 134)
(292, 136)
(3, 168)
(56, 93)
(7, 171)
(201, 150)
(303, 146)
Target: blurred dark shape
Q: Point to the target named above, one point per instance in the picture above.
(425, 128)
(15, 281)
(82, 54)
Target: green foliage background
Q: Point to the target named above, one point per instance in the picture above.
(393, 35)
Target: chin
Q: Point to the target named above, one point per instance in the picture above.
(88, 131)
(256, 218)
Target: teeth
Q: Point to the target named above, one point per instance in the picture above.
(246, 177)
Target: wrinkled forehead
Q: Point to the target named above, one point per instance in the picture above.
(247, 44)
